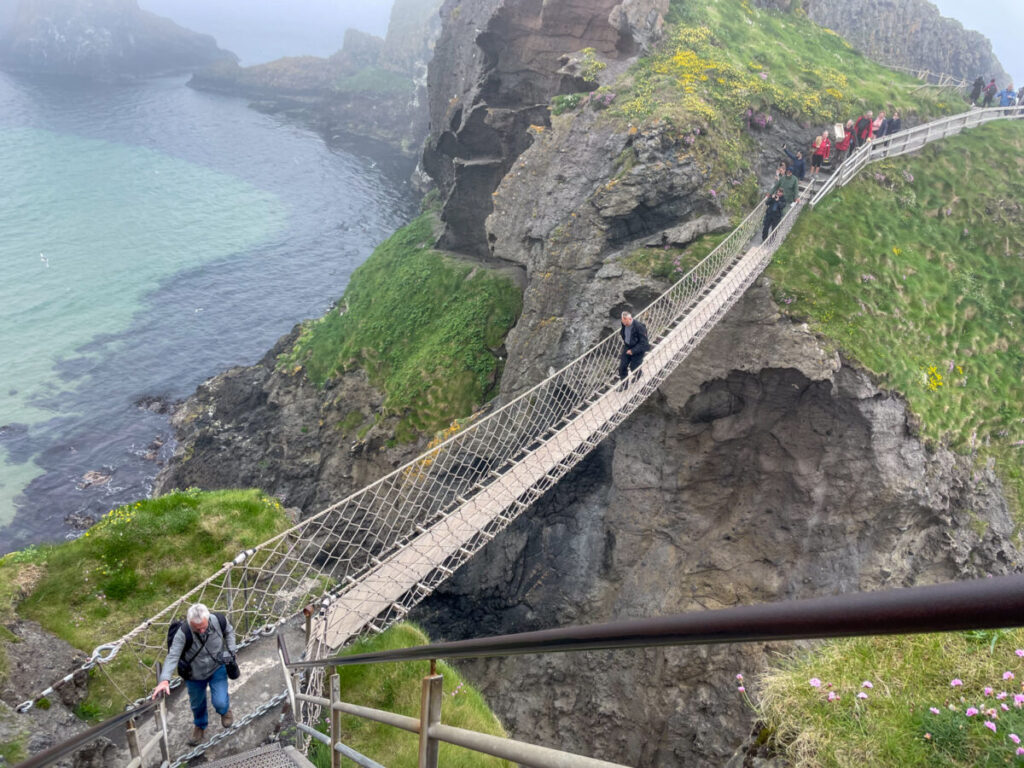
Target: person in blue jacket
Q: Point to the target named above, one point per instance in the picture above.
(797, 162)
(1007, 97)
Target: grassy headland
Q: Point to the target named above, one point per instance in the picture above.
(396, 688)
(426, 328)
(916, 270)
(131, 564)
(726, 71)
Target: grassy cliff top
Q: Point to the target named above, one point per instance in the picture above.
(916, 270)
(133, 563)
(397, 688)
(427, 329)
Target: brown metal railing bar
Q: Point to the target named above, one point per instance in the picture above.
(981, 604)
(75, 743)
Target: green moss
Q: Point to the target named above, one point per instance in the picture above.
(397, 688)
(14, 751)
(352, 420)
(723, 63)
(670, 264)
(916, 270)
(375, 80)
(425, 327)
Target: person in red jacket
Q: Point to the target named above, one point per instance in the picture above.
(822, 152)
(864, 128)
(845, 145)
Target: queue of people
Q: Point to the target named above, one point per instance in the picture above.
(987, 93)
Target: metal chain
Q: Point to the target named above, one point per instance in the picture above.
(200, 749)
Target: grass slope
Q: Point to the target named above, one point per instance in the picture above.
(396, 688)
(131, 564)
(916, 269)
(725, 70)
(425, 327)
(914, 715)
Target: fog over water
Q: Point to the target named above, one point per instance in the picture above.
(263, 30)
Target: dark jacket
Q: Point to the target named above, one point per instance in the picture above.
(864, 128)
(790, 188)
(205, 653)
(895, 125)
(638, 343)
(799, 165)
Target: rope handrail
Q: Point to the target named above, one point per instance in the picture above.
(369, 558)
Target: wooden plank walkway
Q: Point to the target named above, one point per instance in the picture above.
(387, 583)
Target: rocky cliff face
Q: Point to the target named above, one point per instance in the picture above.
(372, 87)
(100, 38)
(496, 67)
(764, 469)
(910, 33)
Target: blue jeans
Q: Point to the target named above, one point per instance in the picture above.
(218, 694)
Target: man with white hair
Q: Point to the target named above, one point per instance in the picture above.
(634, 337)
(199, 651)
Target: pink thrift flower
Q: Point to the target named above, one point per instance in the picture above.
(956, 681)
(988, 691)
(1018, 700)
(1020, 652)
(1004, 707)
(972, 711)
(833, 696)
(740, 678)
(866, 684)
(933, 710)
(991, 712)
(990, 725)
(741, 689)
(1007, 675)
(862, 695)
(1020, 750)
(1015, 738)
(814, 682)
(1001, 695)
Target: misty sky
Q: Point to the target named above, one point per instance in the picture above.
(262, 30)
(1001, 21)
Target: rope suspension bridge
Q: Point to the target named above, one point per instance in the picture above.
(363, 563)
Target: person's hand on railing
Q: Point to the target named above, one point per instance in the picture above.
(163, 687)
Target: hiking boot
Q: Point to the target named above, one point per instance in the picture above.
(196, 737)
(227, 719)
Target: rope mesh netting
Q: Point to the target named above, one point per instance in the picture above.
(368, 559)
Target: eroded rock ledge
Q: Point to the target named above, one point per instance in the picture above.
(765, 468)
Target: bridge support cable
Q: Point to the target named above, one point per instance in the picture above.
(364, 562)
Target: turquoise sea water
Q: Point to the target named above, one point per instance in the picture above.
(150, 236)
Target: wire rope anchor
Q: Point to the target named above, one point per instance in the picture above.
(102, 654)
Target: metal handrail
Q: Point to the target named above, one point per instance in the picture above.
(980, 604)
(55, 753)
(909, 140)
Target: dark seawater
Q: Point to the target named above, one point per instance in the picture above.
(153, 236)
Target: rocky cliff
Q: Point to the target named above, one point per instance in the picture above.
(766, 468)
(99, 38)
(372, 87)
(910, 33)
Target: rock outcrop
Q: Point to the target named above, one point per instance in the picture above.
(910, 33)
(496, 67)
(373, 87)
(101, 39)
(764, 469)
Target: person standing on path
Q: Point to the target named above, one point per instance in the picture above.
(634, 339)
(772, 213)
(990, 93)
(976, 90)
(846, 144)
(789, 185)
(822, 152)
(198, 652)
(797, 163)
(864, 128)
